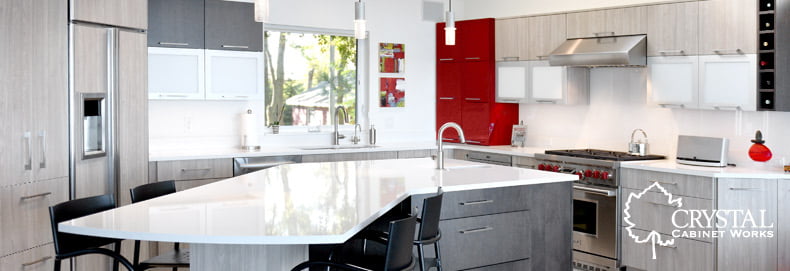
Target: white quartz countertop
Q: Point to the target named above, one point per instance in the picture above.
(755, 171)
(233, 152)
(309, 203)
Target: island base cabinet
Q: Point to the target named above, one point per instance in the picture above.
(684, 255)
(41, 258)
(519, 265)
(484, 240)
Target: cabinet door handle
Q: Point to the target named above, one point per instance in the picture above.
(668, 246)
(546, 102)
(672, 52)
(444, 138)
(745, 189)
(173, 95)
(476, 202)
(669, 183)
(35, 196)
(236, 46)
(508, 58)
(604, 34)
(29, 159)
(509, 101)
(672, 105)
(663, 204)
(195, 169)
(446, 59)
(472, 141)
(173, 43)
(475, 230)
(542, 57)
(43, 136)
(720, 107)
(240, 97)
(44, 259)
(737, 51)
(472, 99)
(472, 58)
(446, 98)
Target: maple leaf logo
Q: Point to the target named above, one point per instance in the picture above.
(653, 237)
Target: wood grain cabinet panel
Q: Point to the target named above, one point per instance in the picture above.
(673, 29)
(25, 212)
(684, 255)
(626, 21)
(512, 39)
(586, 24)
(726, 26)
(759, 197)
(40, 258)
(546, 33)
(479, 241)
(677, 184)
(652, 212)
(783, 221)
(194, 169)
(125, 13)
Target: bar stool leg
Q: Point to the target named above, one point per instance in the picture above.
(438, 256)
(117, 250)
(57, 265)
(421, 255)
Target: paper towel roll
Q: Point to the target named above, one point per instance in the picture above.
(249, 130)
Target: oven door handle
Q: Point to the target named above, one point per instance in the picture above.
(603, 192)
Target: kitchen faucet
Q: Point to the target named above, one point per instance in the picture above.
(338, 136)
(356, 138)
(440, 154)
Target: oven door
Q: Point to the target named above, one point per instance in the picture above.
(595, 220)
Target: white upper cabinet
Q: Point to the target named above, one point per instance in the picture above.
(511, 39)
(727, 27)
(512, 85)
(558, 85)
(175, 73)
(673, 81)
(234, 75)
(728, 82)
(672, 29)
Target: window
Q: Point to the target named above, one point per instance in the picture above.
(308, 75)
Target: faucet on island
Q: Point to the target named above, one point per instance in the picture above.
(337, 134)
(440, 154)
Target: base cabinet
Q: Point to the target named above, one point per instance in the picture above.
(41, 258)
(684, 255)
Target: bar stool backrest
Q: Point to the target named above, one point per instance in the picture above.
(152, 190)
(66, 242)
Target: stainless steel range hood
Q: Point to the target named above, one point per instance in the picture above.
(616, 51)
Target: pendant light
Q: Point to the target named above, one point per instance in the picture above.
(360, 27)
(261, 11)
(449, 28)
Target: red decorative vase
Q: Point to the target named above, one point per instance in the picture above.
(759, 152)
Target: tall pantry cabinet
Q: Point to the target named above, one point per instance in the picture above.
(465, 86)
(34, 108)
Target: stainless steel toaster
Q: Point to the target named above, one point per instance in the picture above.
(702, 151)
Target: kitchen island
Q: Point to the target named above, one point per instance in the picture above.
(267, 220)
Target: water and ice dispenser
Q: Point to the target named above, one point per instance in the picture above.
(94, 128)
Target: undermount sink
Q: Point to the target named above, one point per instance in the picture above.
(338, 147)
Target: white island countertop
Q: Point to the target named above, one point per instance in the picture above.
(752, 171)
(309, 203)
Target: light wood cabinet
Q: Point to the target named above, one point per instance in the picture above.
(673, 29)
(673, 81)
(125, 13)
(783, 221)
(511, 39)
(728, 82)
(132, 112)
(25, 213)
(546, 33)
(194, 169)
(727, 27)
(759, 197)
(677, 184)
(40, 258)
(609, 22)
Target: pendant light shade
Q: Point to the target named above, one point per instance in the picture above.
(261, 11)
(360, 25)
(449, 27)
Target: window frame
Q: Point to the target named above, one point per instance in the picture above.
(292, 129)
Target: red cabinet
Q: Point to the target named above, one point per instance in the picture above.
(465, 86)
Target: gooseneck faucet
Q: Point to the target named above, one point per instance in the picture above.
(338, 136)
(356, 138)
(440, 154)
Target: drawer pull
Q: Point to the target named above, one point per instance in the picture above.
(744, 189)
(725, 107)
(663, 204)
(473, 141)
(173, 43)
(669, 183)
(510, 58)
(475, 230)
(604, 34)
(194, 169)
(668, 246)
(673, 52)
(446, 59)
(546, 102)
(446, 98)
(476, 202)
(728, 51)
(35, 196)
(542, 57)
(473, 99)
(37, 261)
(472, 58)
(236, 46)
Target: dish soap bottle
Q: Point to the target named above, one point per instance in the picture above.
(759, 152)
(372, 135)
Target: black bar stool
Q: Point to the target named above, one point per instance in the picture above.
(69, 245)
(173, 259)
(397, 256)
(429, 233)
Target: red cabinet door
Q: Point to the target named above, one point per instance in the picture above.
(448, 80)
(476, 126)
(446, 53)
(476, 38)
(448, 111)
(477, 81)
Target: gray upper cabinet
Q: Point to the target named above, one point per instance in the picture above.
(231, 26)
(176, 23)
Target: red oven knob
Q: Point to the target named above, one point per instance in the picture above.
(541, 167)
(596, 174)
(581, 176)
(605, 175)
(588, 173)
(556, 168)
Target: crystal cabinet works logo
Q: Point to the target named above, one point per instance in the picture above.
(695, 223)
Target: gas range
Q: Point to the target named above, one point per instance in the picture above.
(594, 167)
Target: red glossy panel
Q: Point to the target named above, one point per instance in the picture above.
(448, 111)
(476, 38)
(446, 52)
(448, 76)
(476, 117)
